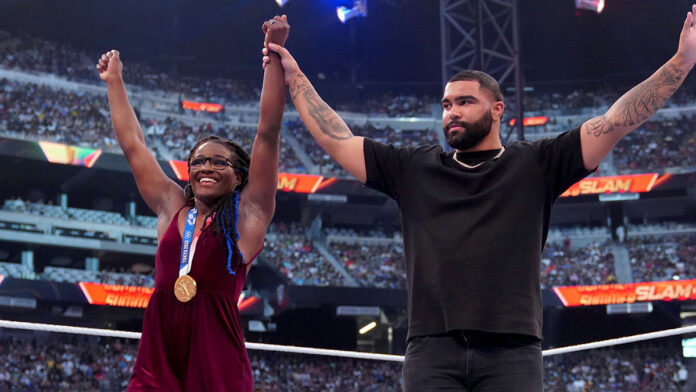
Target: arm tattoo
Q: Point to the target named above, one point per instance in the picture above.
(299, 85)
(599, 126)
(640, 102)
(329, 122)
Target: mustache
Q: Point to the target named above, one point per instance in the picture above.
(457, 123)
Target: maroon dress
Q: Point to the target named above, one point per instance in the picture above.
(195, 346)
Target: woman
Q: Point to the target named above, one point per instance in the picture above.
(192, 339)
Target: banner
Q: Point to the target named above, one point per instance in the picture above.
(633, 183)
(627, 293)
(180, 169)
(202, 107)
(69, 155)
(116, 295)
(530, 121)
(137, 297)
(300, 183)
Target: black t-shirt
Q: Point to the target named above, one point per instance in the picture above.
(473, 237)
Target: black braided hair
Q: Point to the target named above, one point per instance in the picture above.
(226, 210)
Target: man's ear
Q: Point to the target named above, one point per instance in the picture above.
(497, 110)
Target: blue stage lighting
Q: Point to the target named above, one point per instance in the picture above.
(281, 2)
(359, 9)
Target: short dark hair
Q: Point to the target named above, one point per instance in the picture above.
(485, 80)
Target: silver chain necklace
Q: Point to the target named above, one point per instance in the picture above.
(502, 150)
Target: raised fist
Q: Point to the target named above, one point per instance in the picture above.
(110, 66)
(276, 30)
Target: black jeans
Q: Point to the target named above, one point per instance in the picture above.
(472, 361)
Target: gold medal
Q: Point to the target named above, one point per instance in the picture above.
(185, 288)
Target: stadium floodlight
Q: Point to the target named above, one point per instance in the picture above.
(281, 2)
(359, 9)
(367, 328)
(590, 5)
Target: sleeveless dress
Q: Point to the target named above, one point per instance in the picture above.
(199, 345)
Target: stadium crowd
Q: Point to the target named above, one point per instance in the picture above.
(121, 276)
(178, 139)
(38, 112)
(562, 265)
(58, 362)
(653, 368)
(565, 100)
(391, 105)
(658, 258)
(385, 135)
(289, 250)
(25, 53)
(275, 372)
(375, 258)
(32, 54)
(65, 363)
(373, 265)
(658, 146)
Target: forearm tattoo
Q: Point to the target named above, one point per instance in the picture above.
(329, 122)
(599, 126)
(640, 102)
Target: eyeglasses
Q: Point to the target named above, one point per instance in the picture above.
(217, 163)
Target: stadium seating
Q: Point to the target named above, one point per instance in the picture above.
(666, 257)
(77, 363)
(15, 270)
(289, 250)
(653, 368)
(32, 111)
(564, 265)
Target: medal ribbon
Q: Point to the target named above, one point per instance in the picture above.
(188, 243)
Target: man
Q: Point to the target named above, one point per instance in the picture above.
(475, 221)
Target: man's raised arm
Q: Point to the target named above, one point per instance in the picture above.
(600, 134)
(327, 128)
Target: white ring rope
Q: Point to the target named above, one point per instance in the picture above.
(70, 329)
(324, 351)
(342, 353)
(623, 340)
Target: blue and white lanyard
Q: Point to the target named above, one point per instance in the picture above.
(188, 243)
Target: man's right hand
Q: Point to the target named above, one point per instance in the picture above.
(110, 67)
(290, 67)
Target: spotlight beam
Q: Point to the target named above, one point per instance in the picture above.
(590, 5)
(359, 10)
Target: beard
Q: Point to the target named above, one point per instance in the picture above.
(474, 132)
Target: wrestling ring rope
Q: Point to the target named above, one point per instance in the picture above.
(342, 353)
